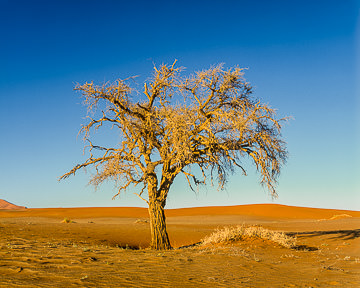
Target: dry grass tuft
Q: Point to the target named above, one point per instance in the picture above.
(231, 234)
(141, 221)
(67, 220)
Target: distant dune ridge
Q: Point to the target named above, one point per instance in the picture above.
(275, 211)
(5, 205)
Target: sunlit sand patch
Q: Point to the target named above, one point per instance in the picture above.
(340, 216)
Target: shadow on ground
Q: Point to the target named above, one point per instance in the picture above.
(338, 234)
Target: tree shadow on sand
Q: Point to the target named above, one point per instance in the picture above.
(338, 234)
(304, 248)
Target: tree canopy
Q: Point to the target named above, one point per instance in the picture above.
(208, 122)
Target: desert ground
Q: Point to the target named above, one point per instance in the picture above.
(107, 247)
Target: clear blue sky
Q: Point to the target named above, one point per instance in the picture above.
(303, 59)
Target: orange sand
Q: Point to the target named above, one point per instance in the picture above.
(37, 250)
(257, 210)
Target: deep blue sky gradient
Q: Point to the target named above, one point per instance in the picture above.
(302, 57)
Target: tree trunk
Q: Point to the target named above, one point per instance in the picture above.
(159, 235)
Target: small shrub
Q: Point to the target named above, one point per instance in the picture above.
(67, 220)
(141, 221)
(231, 234)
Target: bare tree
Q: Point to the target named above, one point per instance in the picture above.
(207, 122)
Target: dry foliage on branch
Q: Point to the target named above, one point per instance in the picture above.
(207, 122)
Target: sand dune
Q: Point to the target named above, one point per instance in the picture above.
(263, 210)
(5, 205)
(95, 250)
(270, 211)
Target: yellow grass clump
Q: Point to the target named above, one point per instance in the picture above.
(67, 220)
(241, 232)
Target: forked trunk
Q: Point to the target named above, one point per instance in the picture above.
(159, 235)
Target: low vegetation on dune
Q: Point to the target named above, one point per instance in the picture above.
(242, 232)
(67, 220)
